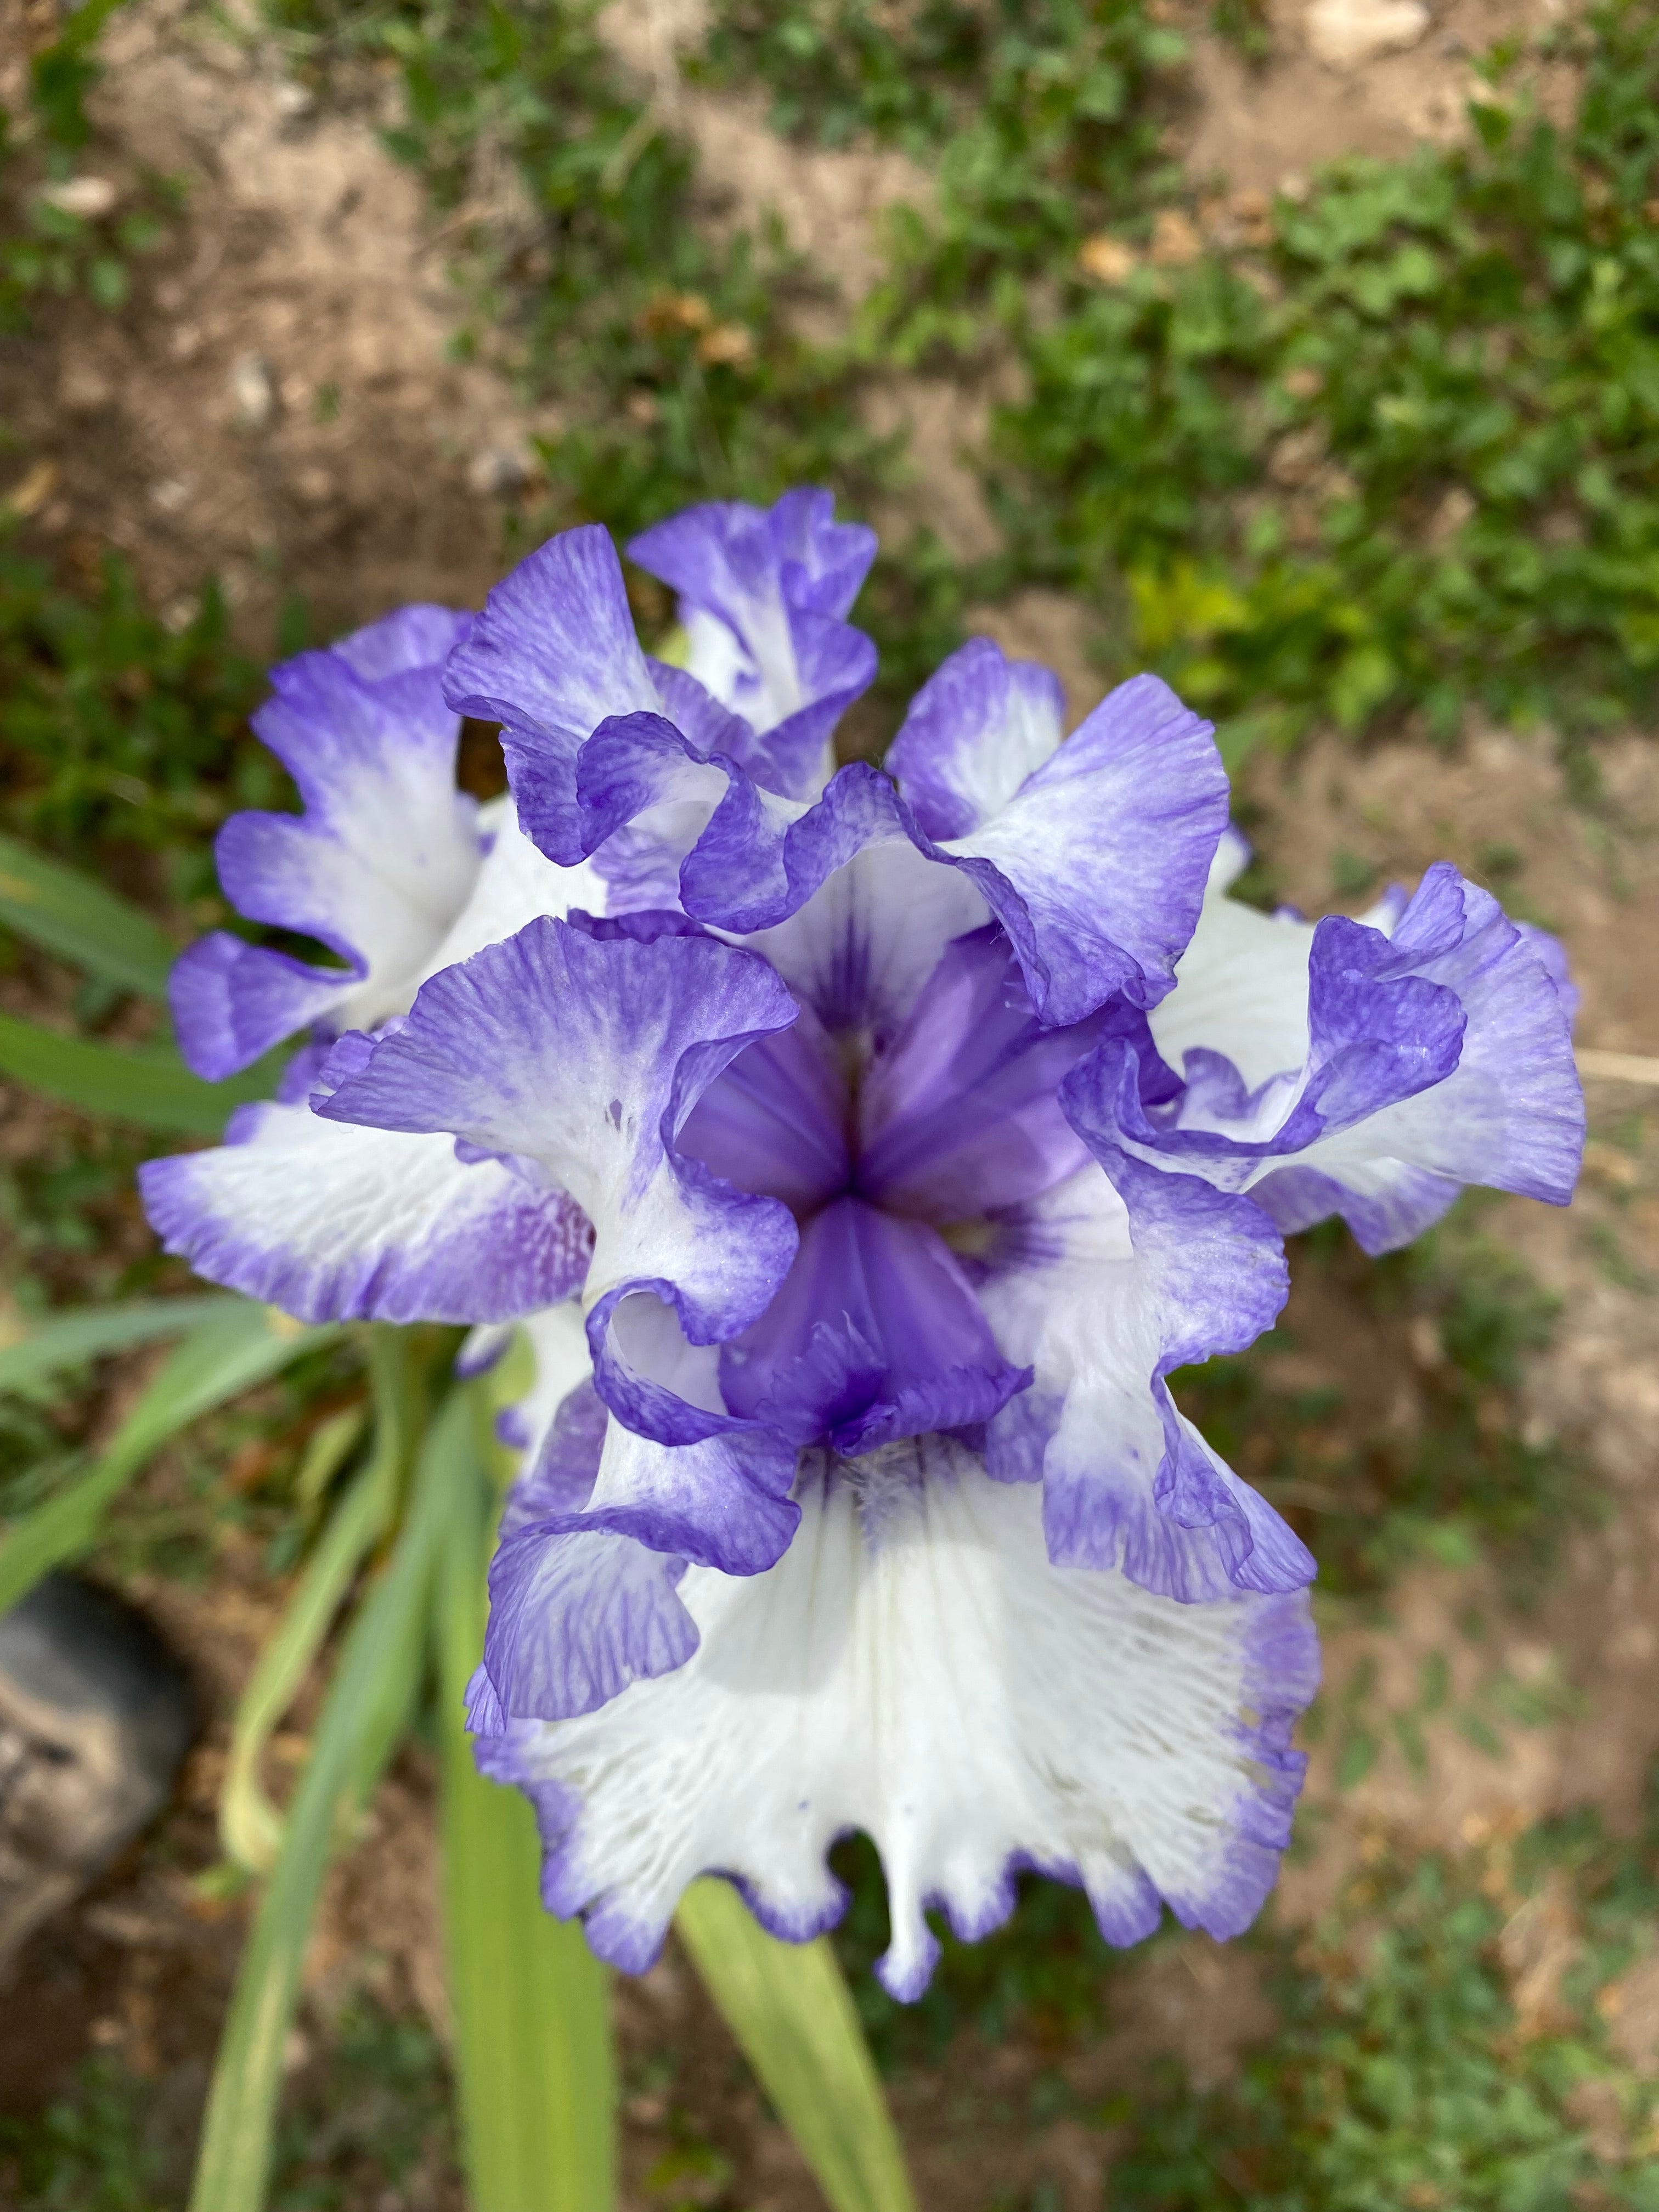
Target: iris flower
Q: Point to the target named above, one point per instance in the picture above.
(863, 1149)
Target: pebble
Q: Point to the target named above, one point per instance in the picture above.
(496, 471)
(1346, 34)
(253, 390)
(90, 197)
(81, 390)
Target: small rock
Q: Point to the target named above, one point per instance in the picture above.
(1176, 239)
(292, 102)
(90, 197)
(81, 390)
(95, 1715)
(1458, 507)
(1346, 34)
(727, 345)
(1106, 258)
(253, 390)
(315, 486)
(497, 471)
(172, 495)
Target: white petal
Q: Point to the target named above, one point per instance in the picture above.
(915, 1667)
(1241, 989)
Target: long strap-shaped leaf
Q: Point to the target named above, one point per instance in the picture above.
(790, 2009)
(250, 1826)
(152, 1090)
(63, 1338)
(74, 916)
(230, 1352)
(532, 2039)
(378, 1671)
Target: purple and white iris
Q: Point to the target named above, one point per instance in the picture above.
(863, 1151)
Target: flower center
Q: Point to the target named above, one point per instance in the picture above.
(896, 1157)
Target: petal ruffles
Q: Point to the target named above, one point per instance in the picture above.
(915, 1667)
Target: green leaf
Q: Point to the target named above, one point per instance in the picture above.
(789, 2008)
(75, 917)
(243, 1344)
(154, 1089)
(64, 1339)
(250, 1826)
(380, 1666)
(533, 2040)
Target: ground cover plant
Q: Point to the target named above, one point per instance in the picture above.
(1374, 453)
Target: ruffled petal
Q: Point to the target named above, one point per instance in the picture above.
(761, 593)
(579, 1057)
(1103, 1287)
(1434, 1051)
(334, 1223)
(1095, 864)
(585, 1056)
(376, 868)
(859, 947)
(231, 1001)
(915, 1667)
(875, 1335)
(976, 730)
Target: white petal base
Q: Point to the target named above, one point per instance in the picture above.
(915, 1668)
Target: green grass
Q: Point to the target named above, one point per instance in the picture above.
(1402, 2074)
(374, 2118)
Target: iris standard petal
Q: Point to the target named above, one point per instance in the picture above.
(376, 868)
(762, 594)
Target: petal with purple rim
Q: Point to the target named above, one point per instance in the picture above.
(916, 1668)
(334, 1223)
(1432, 1055)
(1104, 1286)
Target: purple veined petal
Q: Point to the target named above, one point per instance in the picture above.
(1104, 1286)
(574, 1617)
(761, 595)
(915, 1667)
(776, 1119)
(554, 653)
(1096, 866)
(1437, 1055)
(875, 1335)
(335, 1222)
(961, 1116)
(419, 636)
(231, 1001)
(976, 729)
(586, 1057)
(860, 950)
(377, 868)
(579, 1057)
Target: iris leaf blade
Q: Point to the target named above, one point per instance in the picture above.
(222, 1357)
(789, 2008)
(250, 1826)
(533, 2053)
(67, 1338)
(152, 1089)
(80, 920)
(386, 1637)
